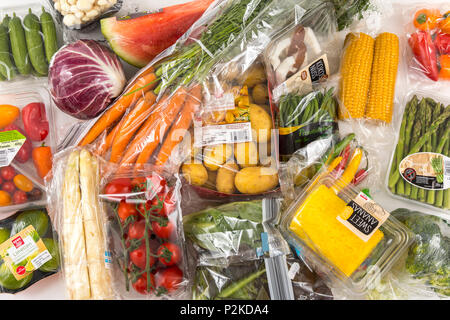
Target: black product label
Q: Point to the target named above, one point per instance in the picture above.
(317, 70)
(361, 219)
(294, 138)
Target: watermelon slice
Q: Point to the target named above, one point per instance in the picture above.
(138, 40)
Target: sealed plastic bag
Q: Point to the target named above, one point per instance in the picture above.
(28, 249)
(343, 234)
(423, 273)
(80, 220)
(421, 157)
(147, 234)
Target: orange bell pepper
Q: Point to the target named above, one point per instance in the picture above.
(444, 61)
(427, 19)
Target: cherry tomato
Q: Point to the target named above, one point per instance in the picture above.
(20, 197)
(138, 257)
(169, 203)
(35, 194)
(137, 230)
(23, 183)
(5, 198)
(141, 284)
(126, 210)
(163, 232)
(9, 187)
(169, 278)
(7, 173)
(170, 254)
(119, 186)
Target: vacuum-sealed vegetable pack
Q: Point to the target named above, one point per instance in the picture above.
(26, 146)
(343, 234)
(419, 164)
(28, 249)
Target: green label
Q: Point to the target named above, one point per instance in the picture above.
(10, 144)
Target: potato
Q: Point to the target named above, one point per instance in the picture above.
(255, 180)
(215, 156)
(225, 178)
(246, 154)
(195, 173)
(261, 123)
(211, 183)
(260, 94)
(255, 75)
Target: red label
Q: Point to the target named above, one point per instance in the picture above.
(20, 270)
(17, 242)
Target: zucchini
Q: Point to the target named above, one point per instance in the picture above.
(6, 66)
(49, 31)
(19, 45)
(35, 44)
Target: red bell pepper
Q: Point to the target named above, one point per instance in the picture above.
(425, 53)
(442, 43)
(35, 121)
(24, 153)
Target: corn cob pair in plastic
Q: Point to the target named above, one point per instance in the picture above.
(368, 75)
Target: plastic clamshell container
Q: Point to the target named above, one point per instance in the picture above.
(20, 96)
(443, 213)
(334, 251)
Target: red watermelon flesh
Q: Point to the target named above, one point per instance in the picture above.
(138, 40)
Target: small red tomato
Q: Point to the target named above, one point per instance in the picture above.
(20, 197)
(126, 210)
(138, 257)
(9, 187)
(119, 186)
(170, 203)
(137, 230)
(141, 284)
(169, 278)
(35, 194)
(169, 254)
(163, 232)
(7, 173)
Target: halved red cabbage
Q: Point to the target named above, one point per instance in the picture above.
(84, 77)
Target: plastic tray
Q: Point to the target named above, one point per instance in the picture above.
(20, 97)
(380, 257)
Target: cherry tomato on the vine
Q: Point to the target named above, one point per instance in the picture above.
(169, 278)
(126, 210)
(137, 230)
(140, 285)
(138, 256)
(169, 254)
(119, 186)
(163, 232)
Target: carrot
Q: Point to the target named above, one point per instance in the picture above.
(106, 143)
(148, 137)
(119, 107)
(182, 124)
(42, 159)
(130, 124)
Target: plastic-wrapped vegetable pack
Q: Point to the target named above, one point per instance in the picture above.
(146, 232)
(423, 273)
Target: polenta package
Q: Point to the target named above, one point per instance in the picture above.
(81, 222)
(343, 234)
(420, 163)
(146, 232)
(28, 249)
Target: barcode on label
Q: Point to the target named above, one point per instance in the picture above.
(280, 286)
(3, 160)
(447, 167)
(223, 134)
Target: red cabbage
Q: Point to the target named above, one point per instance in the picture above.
(84, 77)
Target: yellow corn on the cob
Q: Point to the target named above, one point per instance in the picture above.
(384, 73)
(355, 75)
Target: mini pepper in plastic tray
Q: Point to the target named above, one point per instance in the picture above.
(346, 236)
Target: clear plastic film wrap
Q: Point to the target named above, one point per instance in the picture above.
(230, 232)
(343, 235)
(146, 231)
(423, 272)
(29, 37)
(428, 45)
(418, 170)
(28, 249)
(81, 222)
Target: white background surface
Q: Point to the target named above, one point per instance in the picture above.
(53, 286)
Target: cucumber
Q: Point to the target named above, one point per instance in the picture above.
(35, 44)
(6, 21)
(19, 45)
(49, 31)
(6, 66)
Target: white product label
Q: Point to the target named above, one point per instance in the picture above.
(22, 248)
(41, 258)
(108, 260)
(222, 103)
(10, 144)
(223, 134)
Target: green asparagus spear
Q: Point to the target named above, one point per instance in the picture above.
(417, 131)
(399, 150)
(409, 125)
